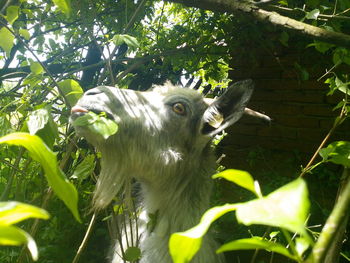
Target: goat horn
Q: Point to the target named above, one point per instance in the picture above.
(256, 114)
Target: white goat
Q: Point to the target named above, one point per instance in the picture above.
(164, 142)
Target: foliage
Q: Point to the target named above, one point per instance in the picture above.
(12, 213)
(49, 57)
(287, 208)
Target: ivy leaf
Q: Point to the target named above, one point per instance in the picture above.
(55, 177)
(6, 40)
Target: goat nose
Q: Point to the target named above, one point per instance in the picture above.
(93, 91)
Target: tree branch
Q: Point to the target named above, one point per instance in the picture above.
(333, 224)
(249, 9)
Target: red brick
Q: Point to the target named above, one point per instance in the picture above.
(312, 135)
(289, 96)
(272, 109)
(318, 110)
(297, 121)
(277, 131)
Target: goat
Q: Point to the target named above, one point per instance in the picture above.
(164, 142)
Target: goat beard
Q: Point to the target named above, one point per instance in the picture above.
(113, 180)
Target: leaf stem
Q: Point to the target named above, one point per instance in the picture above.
(291, 244)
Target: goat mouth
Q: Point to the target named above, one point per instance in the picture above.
(78, 111)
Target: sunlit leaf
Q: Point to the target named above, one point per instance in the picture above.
(337, 152)
(239, 177)
(55, 177)
(301, 245)
(37, 120)
(127, 39)
(64, 6)
(184, 245)
(24, 33)
(97, 124)
(71, 90)
(255, 243)
(6, 40)
(36, 68)
(287, 207)
(14, 236)
(14, 212)
(12, 13)
(40, 122)
(313, 14)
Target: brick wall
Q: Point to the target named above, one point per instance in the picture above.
(301, 111)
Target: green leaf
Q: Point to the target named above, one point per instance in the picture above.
(14, 212)
(239, 177)
(55, 177)
(6, 40)
(284, 38)
(36, 68)
(41, 123)
(14, 236)
(24, 33)
(64, 6)
(32, 80)
(5, 126)
(72, 90)
(301, 245)
(337, 152)
(287, 207)
(37, 120)
(127, 39)
(256, 243)
(85, 168)
(341, 55)
(184, 245)
(12, 13)
(97, 124)
(322, 47)
(132, 254)
(341, 86)
(313, 14)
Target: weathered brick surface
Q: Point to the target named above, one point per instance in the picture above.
(302, 112)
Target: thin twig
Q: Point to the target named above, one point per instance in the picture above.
(85, 239)
(336, 123)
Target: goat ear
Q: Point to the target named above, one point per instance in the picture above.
(228, 108)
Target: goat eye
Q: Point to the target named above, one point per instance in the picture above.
(179, 108)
